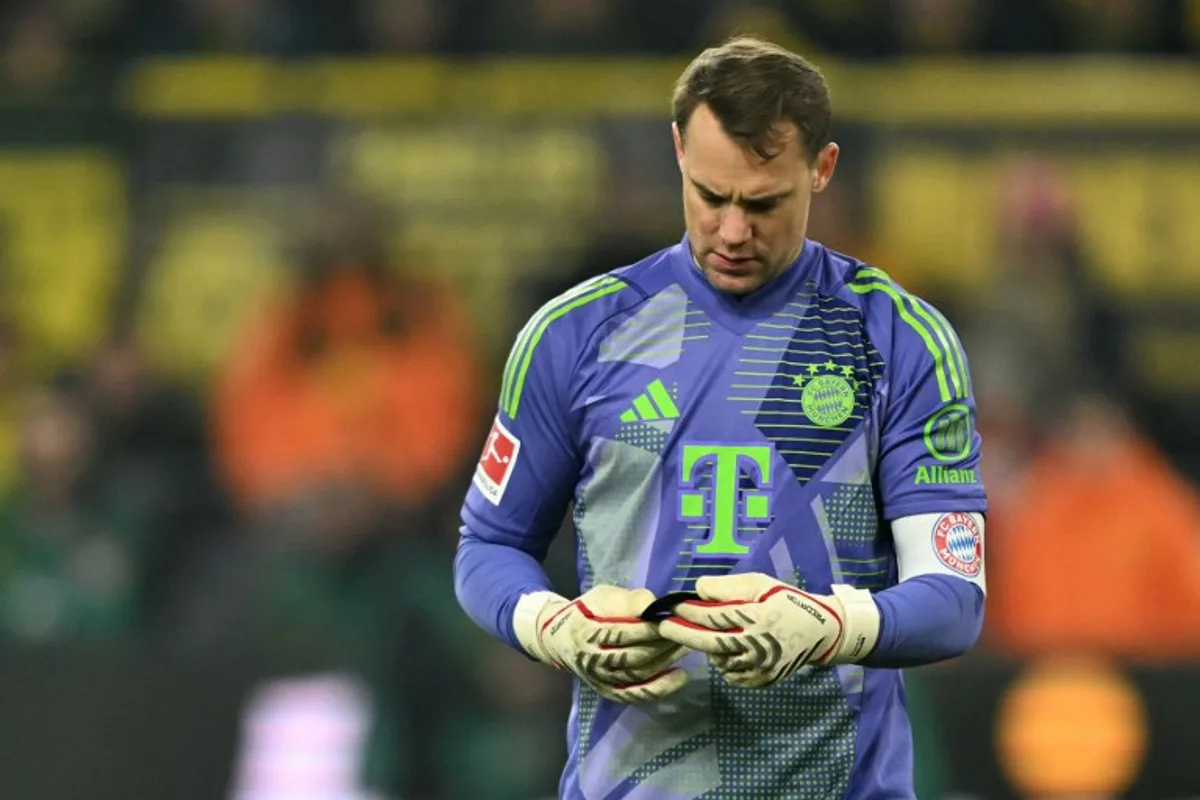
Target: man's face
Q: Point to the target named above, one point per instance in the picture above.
(746, 217)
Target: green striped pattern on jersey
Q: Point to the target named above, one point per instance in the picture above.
(949, 364)
(517, 368)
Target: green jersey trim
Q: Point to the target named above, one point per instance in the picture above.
(949, 363)
(517, 368)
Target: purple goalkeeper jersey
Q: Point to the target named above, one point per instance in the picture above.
(696, 434)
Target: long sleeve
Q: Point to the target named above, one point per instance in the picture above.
(925, 619)
(525, 478)
(930, 483)
(489, 578)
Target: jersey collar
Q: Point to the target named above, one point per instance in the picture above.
(741, 314)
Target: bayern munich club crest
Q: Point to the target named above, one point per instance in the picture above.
(958, 543)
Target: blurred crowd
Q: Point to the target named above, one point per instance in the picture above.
(306, 498)
(306, 488)
(42, 31)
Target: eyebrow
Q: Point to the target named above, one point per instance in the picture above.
(763, 198)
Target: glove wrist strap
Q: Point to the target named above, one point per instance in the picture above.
(861, 625)
(525, 621)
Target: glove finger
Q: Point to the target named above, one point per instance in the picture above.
(697, 637)
(717, 616)
(638, 599)
(655, 688)
(600, 635)
(746, 586)
(761, 664)
(738, 662)
(636, 655)
(750, 679)
(670, 653)
(621, 659)
(612, 602)
(614, 668)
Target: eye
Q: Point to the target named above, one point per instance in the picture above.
(711, 199)
(761, 206)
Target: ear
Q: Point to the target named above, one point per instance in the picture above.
(826, 164)
(678, 139)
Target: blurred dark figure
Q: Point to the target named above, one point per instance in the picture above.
(406, 26)
(507, 731)
(346, 422)
(555, 27)
(75, 550)
(852, 28)
(37, 55)
(1016, 27)
(360, 377)
(966, 27)
(11, 396)
(938, 26)
(1099, 550)
(765, 18)
(1042, 324)
(151, 438)
(634, 216)
(1124, 26)
(839, 219)
(243, 27)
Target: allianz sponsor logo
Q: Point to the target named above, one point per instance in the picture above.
(939, 475)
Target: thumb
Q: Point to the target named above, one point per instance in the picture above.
(640, 598)
(730, 588)
(615, 601)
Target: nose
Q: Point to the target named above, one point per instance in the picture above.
(735, 228)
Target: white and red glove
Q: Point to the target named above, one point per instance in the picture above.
(758, 630)
(600, 638)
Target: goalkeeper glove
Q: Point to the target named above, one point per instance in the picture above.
(758, 630)
(599, 637)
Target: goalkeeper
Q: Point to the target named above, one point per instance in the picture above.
(776, 429)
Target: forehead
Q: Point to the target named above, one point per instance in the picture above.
(722, 163)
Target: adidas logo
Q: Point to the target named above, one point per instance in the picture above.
(654, 403)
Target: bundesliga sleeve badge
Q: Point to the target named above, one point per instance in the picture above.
(496, 464)
(958, 543)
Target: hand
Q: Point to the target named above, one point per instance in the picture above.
(599, 637)
(758, 630)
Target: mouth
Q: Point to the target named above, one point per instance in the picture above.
(731, 265)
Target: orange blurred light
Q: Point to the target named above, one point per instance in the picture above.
(1070, 727)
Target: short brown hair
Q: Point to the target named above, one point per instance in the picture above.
(751, 86)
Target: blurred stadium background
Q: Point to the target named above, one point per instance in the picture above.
(261, 261)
